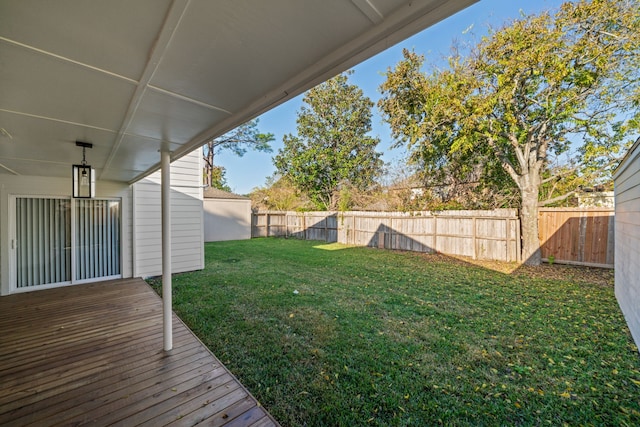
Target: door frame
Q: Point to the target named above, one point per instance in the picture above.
(13, 288)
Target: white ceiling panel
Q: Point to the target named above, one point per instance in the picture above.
(167, 118)
(44, 141)
(114, 35)
(131, 75)
(45, 86)
(135, 155)
(203, 60)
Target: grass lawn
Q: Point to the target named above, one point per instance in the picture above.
(331, 335)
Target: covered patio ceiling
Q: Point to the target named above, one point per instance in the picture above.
(132, 76)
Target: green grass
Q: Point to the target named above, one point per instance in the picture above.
(376, 337)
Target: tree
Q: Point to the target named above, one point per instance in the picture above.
(332, 148)
(216, 178)
(278, 194)
(546, 85)
(238, 141)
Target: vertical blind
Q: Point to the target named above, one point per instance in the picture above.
(44, 240)
(43, 234)
(97, 239)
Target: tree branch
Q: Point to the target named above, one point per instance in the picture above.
(504, 160)
(513, 141)
(556, 199)
(559, 175)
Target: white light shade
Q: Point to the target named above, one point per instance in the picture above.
(84, 182)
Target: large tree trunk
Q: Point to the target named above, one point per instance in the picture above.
(529, 220)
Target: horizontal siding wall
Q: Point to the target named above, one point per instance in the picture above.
(492, 235)
(627, 239)
(187, 245)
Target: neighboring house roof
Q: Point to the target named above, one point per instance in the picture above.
(214, 193)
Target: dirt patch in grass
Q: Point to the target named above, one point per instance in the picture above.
(578, 274)
(600, 276)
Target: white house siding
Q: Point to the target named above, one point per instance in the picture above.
(227, 219)
(627, 238)
(59, 187)
(187, 245)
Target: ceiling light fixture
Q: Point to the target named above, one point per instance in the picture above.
(83, 178)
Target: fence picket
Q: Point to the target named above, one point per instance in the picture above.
(451, 232)
(571, 235)
(582, 236)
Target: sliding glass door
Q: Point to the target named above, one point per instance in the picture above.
(61, 241)
(97, 239)
(43, 237)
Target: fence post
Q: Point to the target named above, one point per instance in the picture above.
(286, 224)
(475, 240)
(518, 241)
(610, 240)
(267, 222)
(345, 228)
(354, 228)
(583, 236)
(507, 236)
(326, 229)
(304, 226)
(435, 234)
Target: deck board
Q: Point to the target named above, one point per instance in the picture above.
(92, 354)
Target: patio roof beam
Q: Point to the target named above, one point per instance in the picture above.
(170, 25)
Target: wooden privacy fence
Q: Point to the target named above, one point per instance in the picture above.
(492, 235)
(581, 236)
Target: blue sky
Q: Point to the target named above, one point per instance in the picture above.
(250, 171)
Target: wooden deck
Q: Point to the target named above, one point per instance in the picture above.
(92, 354)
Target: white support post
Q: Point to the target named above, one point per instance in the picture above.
(166, 249)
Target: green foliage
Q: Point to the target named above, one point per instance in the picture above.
(332, 148)
(244, 137)
(238, 141)
(381, 338)
(218, 179)
(524, 92)
(345, 199)
(279, 195)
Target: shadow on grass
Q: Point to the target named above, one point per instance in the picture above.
(602, 276)
(328, 334)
